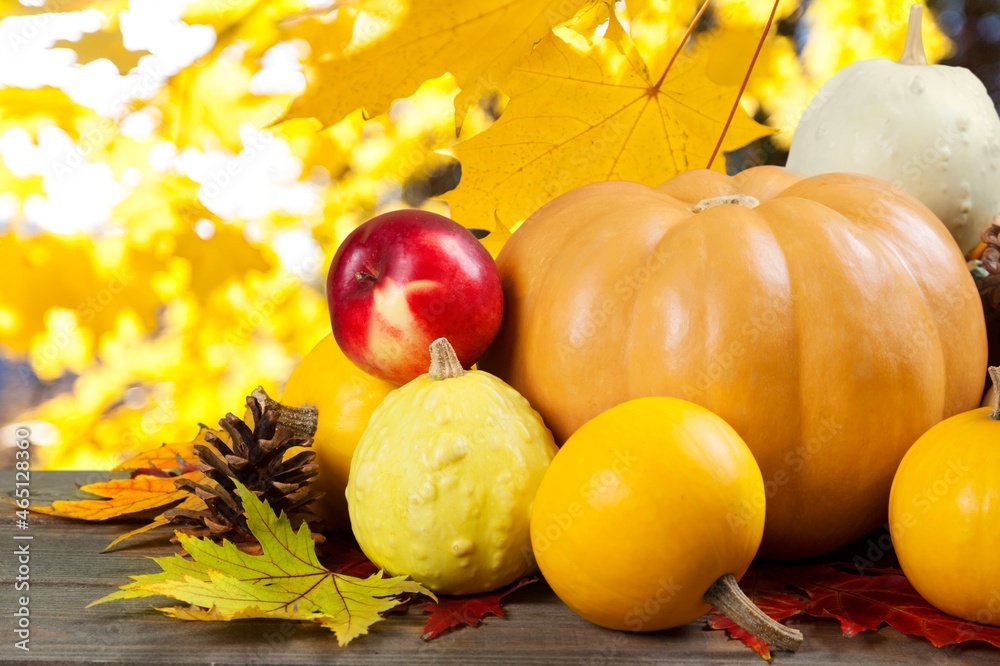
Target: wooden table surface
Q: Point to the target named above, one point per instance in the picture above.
(68, 571)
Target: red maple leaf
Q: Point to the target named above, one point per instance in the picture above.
(450, 612)
(769, 592)
(866, 602)
(341, 554)
(860, 601)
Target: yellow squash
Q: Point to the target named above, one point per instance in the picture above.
(647, 513)
(442, 481)
(345, 398)
(944, 515)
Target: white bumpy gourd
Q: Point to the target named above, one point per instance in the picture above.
(931, 129)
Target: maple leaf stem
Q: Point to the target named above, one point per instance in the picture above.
(743, 86)
(726, 596)
(684, 40)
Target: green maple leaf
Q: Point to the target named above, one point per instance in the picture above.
(286, 580)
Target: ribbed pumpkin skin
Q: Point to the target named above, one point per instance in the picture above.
(830, 326)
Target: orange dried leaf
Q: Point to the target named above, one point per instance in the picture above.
(170, 457)
(165, 458)
(121, 497)
(191, 503)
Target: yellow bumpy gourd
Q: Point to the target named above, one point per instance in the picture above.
(442, 481)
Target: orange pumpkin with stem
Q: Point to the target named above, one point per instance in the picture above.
(829, 320)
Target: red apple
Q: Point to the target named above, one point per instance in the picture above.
(403, 279)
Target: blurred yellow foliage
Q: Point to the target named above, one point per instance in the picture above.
(29, 109)
(840, 32)
(185, 299)
(106, 42)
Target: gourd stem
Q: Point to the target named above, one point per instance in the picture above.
(744, 200)
(913, 50)
(444, 361)
(995, 377)
(300, 420)
(726, 596)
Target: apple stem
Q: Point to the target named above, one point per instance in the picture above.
(727, 597)
(444, 361)
(364, 277)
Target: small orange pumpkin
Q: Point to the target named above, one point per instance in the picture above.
(830, 325)
(944, 514)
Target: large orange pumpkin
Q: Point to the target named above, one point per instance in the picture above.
(830, 325)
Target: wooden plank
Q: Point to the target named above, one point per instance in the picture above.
(68, 571)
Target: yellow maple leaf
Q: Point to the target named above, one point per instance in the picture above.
(477, 42)
(657, 27)
(495, 238)
(327, 33)
(585, 110)
(170, 457)
(121, 497)
(105, 43)
(190, 503)
(286, 580)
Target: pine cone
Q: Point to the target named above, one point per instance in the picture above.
(986, 272)
(256, 457)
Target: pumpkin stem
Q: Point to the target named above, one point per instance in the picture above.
(444, 361)
(300, 420)
(727, 597)
(995, 376)
(913, 50)
(744, 200)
